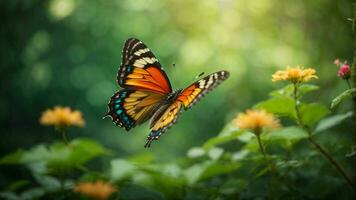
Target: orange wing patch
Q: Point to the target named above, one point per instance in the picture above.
(194, 92)
(150, 78)
(189, 94)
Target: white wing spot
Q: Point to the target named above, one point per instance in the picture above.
(211, 81)
(141, 51)
(201, 83)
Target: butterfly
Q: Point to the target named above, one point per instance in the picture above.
(147, 94)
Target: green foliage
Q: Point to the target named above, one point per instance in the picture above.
(58, 157)
(312, 113)
(287, 91)
(332, 121)
(64, 53)
(283, 106)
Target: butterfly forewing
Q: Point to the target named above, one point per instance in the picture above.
(193, 93)
(140, 69)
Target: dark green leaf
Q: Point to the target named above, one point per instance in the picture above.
(135, 192)
(16, 185)
(220, 139)
(332, 121)
(12, 158)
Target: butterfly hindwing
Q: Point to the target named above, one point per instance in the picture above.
(128, 108)
(141, 70)
(193, 93)
(163, 121)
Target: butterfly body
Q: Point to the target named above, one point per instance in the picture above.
(147, 94)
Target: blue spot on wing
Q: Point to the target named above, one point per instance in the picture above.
(117, 111)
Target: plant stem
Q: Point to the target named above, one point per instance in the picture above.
(64, 136)
(261, 148)
(296, 105)
(333, 162)
(317, 145)
(352, 93)
(269, 186)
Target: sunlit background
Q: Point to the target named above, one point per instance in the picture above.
(67, 52)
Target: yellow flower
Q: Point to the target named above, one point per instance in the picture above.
(295, 75)
(62, 117)
(99, 190)
(256, 120)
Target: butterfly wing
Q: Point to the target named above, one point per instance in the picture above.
(163, 119)
(128, 108)
(140, 69)
(193, 93)
(168, 115)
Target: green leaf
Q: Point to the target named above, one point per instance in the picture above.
(233, 186)
(288, 133)
(50, 184)
(306, 88)
(332, 121)
(288, 90)
(56, 158)
(193, 173)
(12, 158)
(9, 195)
(85, 150)
(280, 106)
(121, 169)
(135, 192)
(195, 152)
(16, 185)
(207, 170)
(65, 158)
(217, 169)
(312, 113)
(337, 100)
(215, 153)
(287, 136)
(33, 193)
(220, 139)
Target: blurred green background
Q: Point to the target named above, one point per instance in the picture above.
(67, 52)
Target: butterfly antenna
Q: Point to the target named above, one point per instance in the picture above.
(199, 75)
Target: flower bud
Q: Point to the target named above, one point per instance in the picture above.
(344, 71)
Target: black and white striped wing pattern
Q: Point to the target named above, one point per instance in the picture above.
(193, 93)
(140, 69)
